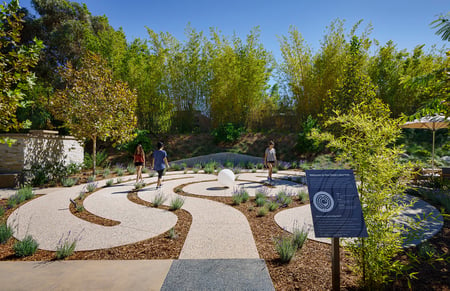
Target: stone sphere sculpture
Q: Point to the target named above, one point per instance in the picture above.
(226, 178)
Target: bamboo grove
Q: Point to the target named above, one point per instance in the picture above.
(228, 79)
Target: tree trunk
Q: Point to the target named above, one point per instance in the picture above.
(94, 155)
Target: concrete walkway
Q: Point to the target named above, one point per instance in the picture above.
(219, 252)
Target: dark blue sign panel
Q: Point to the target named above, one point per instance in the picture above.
(335, 206)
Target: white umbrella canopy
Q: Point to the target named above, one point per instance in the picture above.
(432, 123)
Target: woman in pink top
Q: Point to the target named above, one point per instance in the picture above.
(139, 162)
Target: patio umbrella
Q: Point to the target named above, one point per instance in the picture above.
(432, 123)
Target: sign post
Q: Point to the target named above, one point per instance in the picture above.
(336, 210)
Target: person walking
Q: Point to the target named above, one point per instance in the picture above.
(270, 159)
(160, 162)
(139, 162)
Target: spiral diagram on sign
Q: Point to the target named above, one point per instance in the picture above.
(323, 201)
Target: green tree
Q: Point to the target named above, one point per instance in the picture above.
(240, 73)
(297, 70)
(94, 106)
(443, 25)
(16, 60)
(354, 86)
(367, 144)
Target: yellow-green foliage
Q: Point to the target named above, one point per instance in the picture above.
(366, 139)
(94, 106)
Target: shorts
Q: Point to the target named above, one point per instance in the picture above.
(160, 173)
(137, 164)
(271, 162)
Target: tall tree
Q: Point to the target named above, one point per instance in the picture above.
(16, 60)
(94, 106)
(354, 86)
(443, 26)
(240, 72)
(297, 70)
(367, 144)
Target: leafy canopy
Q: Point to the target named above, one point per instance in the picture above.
(365, 143)
(15, 62)
(93, 105)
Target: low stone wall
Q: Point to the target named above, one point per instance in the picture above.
(221, 158)
(38, 147)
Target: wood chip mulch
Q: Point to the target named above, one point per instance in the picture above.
(309, 270)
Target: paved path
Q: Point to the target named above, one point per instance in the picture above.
(421, 221)
(218, 242)
(48, 219)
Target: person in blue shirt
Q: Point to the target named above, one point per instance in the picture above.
(159, 162)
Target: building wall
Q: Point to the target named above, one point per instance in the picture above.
(39, 147)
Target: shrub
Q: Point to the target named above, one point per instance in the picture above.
(118, 181)
(262, 192)
(195, 170)
(198, 166)
(159, 199)
(236, 170)
(73, 168)
(227, 133)
(65, 250)
(250, 165)
(283, 198)
(91, 178)
(237, 199)
(302, 196)
(90, 187)
(65, 247)
(109, 183)
(100, 159)
(245, 195)
(24, 193)
(145, 170)
(228, 164)
(48, 171)
(27, 247)
(305, 144)
(68, 182)
(209, 169)
(142, 137)
(273, 206)
(274, 170)
(106, 172)
(6, 233)
(262, 211)
(260, 201)
(260, 166)
(172, 234)
(366, 141)
(284, 165)
(2, 211)
(139, 185)
(80, 208)
(175, 167)
(119, 171)
(285, 249)
(240, 195)
(131, 169)
(176, 203)
(299, 236)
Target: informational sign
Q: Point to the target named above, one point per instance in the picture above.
(335, 206)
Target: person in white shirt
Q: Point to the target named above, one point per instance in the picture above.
(270, 158)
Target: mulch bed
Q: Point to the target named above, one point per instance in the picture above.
(309, 270)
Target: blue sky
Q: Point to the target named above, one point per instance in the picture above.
(406, 22)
